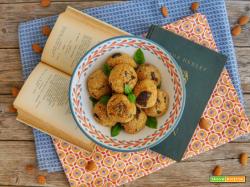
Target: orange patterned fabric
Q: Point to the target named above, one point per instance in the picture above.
(224, 112)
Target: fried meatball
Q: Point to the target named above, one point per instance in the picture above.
(136, 124)
(120, 75)
(148, 71)
(101, 116)
(121, 58)
(146, 93)
(161, 105)
(98, 84)
(120, 109)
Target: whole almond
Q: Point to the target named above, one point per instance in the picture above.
(217, 171)
(45, 3)
(91, 166)
(46, 30)
(41, 179)
(204, 124)
(164, 11)
(236, 30)
(243, 20)
(37, 48)
(244, 159)
(29, 168)
(12, 109)
(14, 91)
(195, 6)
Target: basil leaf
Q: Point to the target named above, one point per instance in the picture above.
(115, 130)
(127, 89)
(104, 99)
(139, 57)
(131, 98)
(151, 122)
(106, 69)
(94, 101)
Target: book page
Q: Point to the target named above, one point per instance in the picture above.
(32, 121)
(72, 36)
(44, 97)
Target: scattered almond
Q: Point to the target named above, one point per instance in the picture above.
(14, 91)
(41, 179)
(46, 30)
(243, 20)
(195, 6)
(204, 124)
(29, 167)
(45, 3)
(236, 30)
(243, 159)
(91, 166)
(217, 171)
(164, 11)
(12, 109)
(37, 48)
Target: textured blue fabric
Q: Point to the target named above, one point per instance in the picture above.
(134, 17)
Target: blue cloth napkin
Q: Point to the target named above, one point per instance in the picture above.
(134, 17)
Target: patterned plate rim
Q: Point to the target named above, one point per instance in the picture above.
(171, 128)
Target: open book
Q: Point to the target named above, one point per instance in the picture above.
(43, 100)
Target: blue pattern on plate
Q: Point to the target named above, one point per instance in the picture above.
(134, 17)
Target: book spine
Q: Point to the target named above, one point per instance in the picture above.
(150, 31)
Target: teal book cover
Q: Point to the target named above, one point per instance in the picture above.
(201, 69)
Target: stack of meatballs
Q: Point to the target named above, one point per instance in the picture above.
(143, 79)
